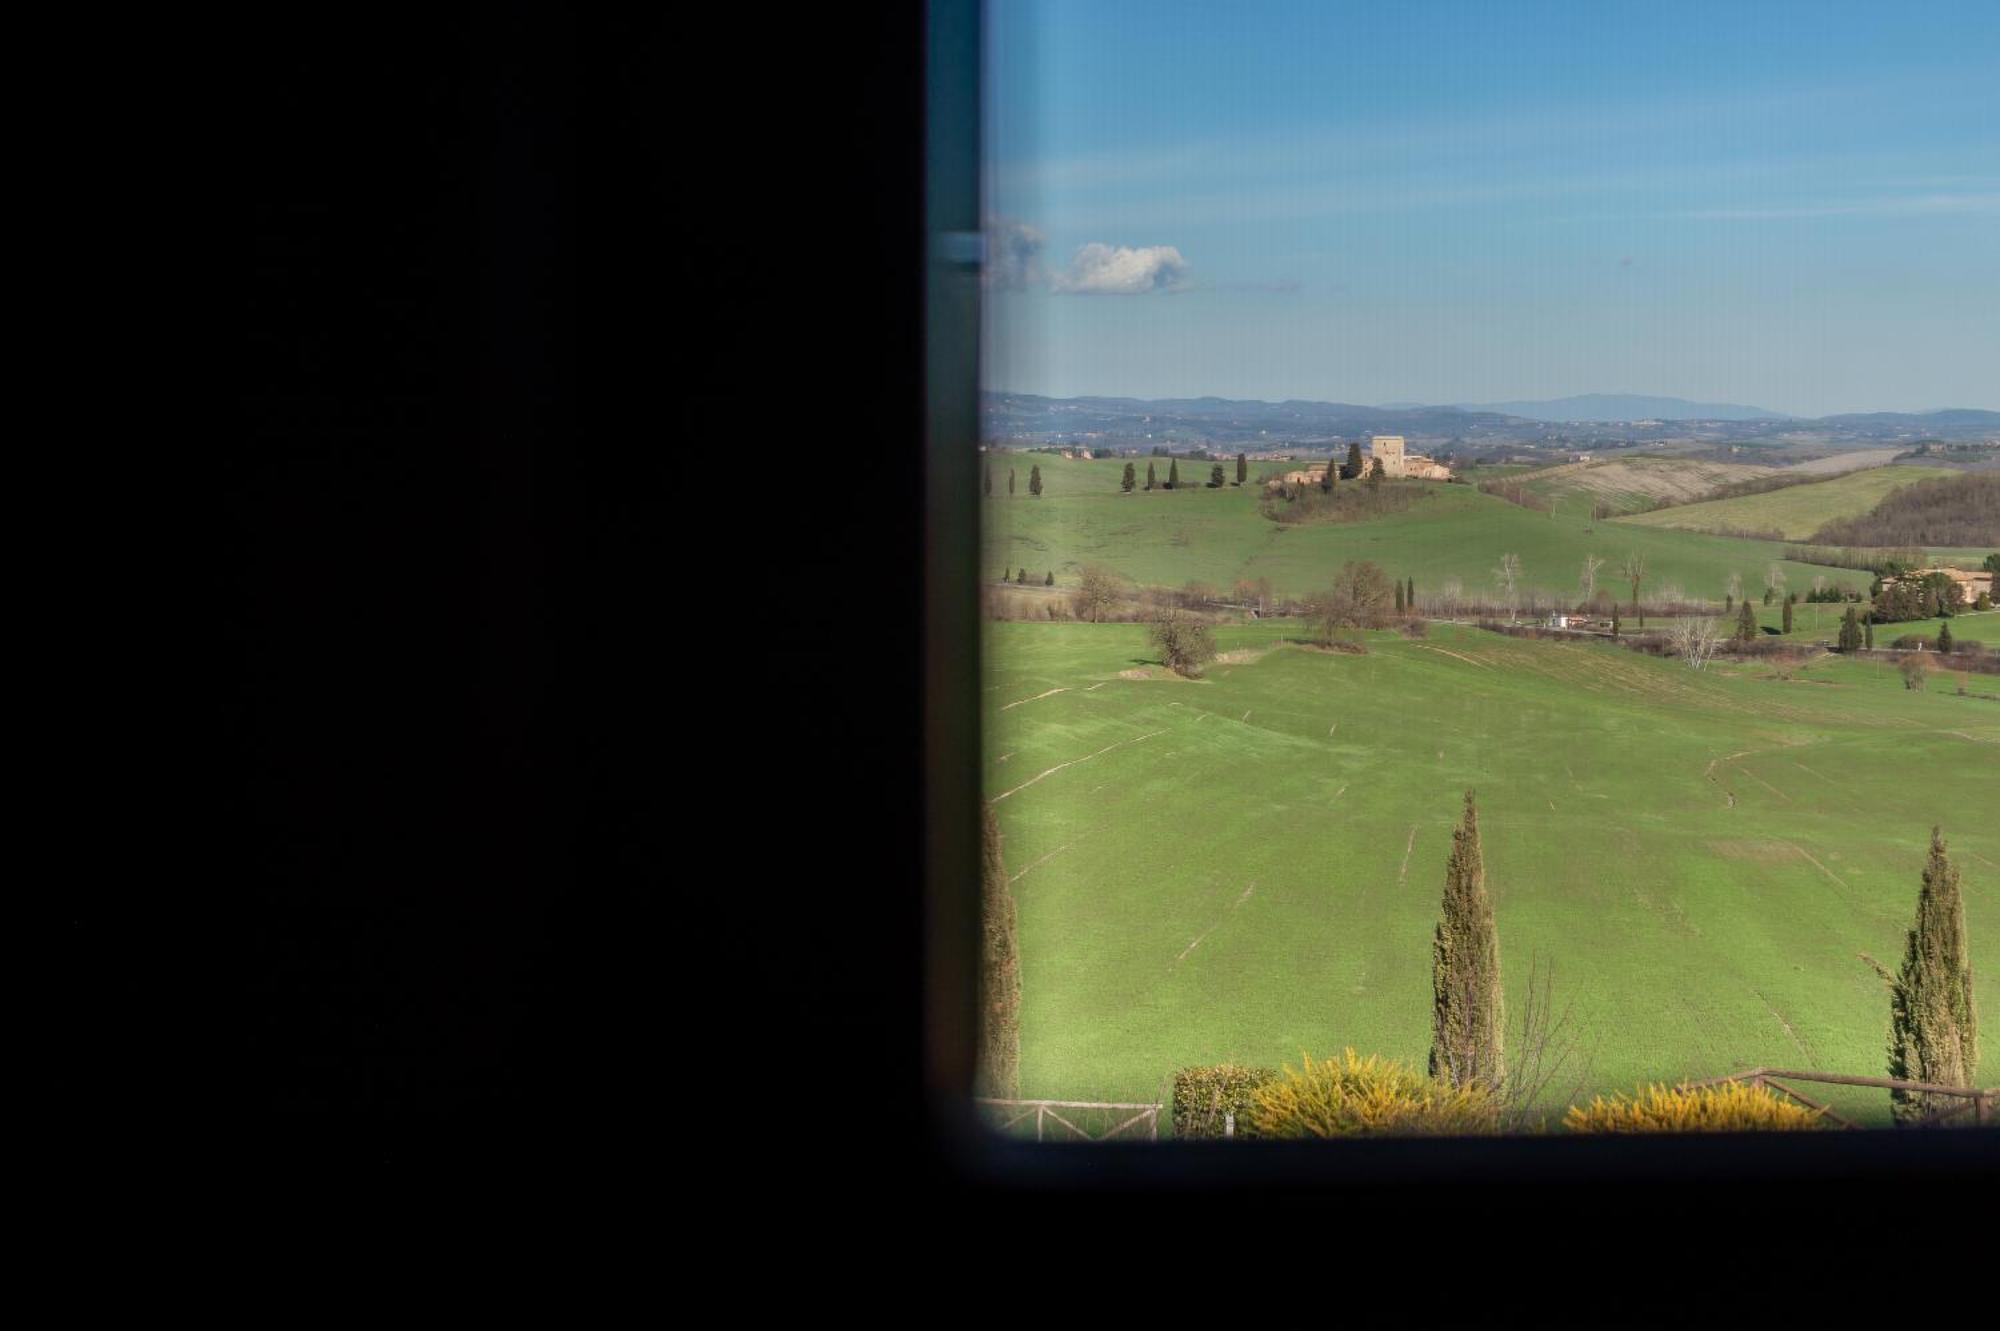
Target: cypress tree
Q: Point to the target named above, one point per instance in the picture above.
(1788, 616)
(1728, 602)
(1332, 473)
(1746, 624)
(1375, 474)
(1173, 474)
(1614, 621)
(1353, 467)
(1152, 479)
(1050, 581)
(1216, 480)
(1850, 630)
(1933, 1027)
(1022, 576)
(1129, 480)
(1466, 1009)
(1399, 598)
(1035, 481)
(1410, 594)
(1242, 468)
(1944, 638)
(999, 973)
(1010, 480)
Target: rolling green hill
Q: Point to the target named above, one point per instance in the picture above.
(1798, 511)
(1167, 538)
(1248, 867)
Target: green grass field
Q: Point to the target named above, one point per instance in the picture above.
(1798, 511)
(1167, 538)
(1978, 626)
(1249, 867)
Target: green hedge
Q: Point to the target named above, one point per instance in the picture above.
(1204, 1096)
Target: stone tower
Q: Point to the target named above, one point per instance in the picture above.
(1389, 448)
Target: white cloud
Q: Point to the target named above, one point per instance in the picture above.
(1013, 254)
(1122, 270)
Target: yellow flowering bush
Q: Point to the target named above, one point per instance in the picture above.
(1728, 1107)
(1372, 1096)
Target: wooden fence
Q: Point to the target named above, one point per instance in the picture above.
(1056, 1119)
(1980, 1101)
(1047, 1111)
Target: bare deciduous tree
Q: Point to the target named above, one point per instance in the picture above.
(1734, 588)
(1695, 640)
(1587, 583)
(1358, 599)
(1195, 593)
(1634, 571)
(1774, 581)
(1548, 1048)
(1098, 594)
(1184, 641)
(1507, 575)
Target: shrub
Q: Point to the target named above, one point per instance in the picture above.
(1916, 670)
(1415, 628)
(1183, 641)
(1729, 1107)
(1371, 1096)
(1204, 1096)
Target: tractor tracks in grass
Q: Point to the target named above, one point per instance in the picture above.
(1790, 1034)
(1037, 698)
(1814, 860)
(1765, 784)
(1709, 771)
(1069, 844)
(1408, 846)
(1483, 665)
(1051, 771)
(1217, 925)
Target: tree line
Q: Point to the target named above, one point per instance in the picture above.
(1217, 477)
(1945, 510)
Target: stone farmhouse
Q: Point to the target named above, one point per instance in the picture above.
(1973, 583)
(1389, 450)
(1396, 461)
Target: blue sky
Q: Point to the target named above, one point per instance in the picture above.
(1792, 206)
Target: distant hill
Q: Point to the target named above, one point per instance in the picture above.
(1627, 407)
(1129, 421)
(1592, 421)
(1961, 417)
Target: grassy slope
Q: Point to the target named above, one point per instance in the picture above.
(1231, 881)
(1630, 483)
(1798, 511)
(1167, 538)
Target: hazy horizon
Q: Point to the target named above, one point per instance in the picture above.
(1792, 208)
(1465, 405)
